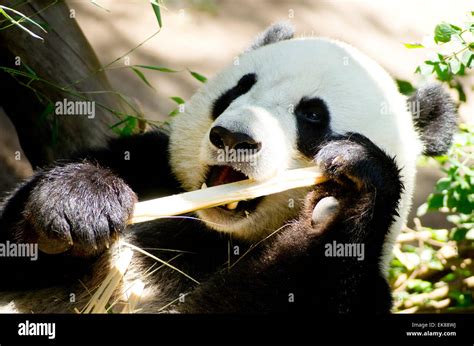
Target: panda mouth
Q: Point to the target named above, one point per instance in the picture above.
(219, 175)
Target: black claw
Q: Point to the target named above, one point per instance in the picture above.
(325, 211)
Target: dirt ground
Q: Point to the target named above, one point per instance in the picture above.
(205, 35)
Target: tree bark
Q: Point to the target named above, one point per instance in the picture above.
(63, 58)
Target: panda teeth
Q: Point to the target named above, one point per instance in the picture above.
(232, 206)
(203, 186)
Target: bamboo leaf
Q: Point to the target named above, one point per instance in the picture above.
(198, 76)
(157, 10)
(142, 76)
(157, 68)
(413, 45)
(177, 99)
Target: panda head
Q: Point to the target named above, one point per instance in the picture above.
(271, 110)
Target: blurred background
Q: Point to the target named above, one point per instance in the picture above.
(205, 35)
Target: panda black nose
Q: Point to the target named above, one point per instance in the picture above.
(221, 137)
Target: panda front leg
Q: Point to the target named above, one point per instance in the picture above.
(70, 214)
(326, 261)
(73, 211)
(352, 224)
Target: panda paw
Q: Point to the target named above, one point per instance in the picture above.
(339, 160)
(356, 162)
(79, 208)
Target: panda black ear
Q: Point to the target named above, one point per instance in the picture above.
(434, 115)
(277, 32)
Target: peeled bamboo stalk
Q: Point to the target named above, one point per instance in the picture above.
(224, 194)
(99, 300)
(134, 296)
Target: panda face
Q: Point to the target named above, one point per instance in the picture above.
(270, 111)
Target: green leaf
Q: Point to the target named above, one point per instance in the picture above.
(460, 90)
(395, 272)
(409, 248)
(130, 127)
(464, 206)
(29, 69)
(405, 87)
(452, 199)
(461, 299)
(141, 76)
(449, 277)
(173, 112)
(455, 28)
(435, 201)
(157, 10)
(177, 99)
(443, 184)
(442, 71)
(458, 234)
(397, 263)
(417, 285)
(199, 77)
(413, 45)
(126, 127)
(443, 32)
(157, 68)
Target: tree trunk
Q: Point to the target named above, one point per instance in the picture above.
(64, 58)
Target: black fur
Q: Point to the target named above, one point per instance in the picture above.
(365, 181)
(130, 157)
(242, 87)
(313, 123)
(277, 32)
(434, 115)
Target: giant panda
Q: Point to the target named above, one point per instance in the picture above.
(289, 103)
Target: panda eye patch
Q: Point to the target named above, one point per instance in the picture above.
(242, 87)
(312, 110)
